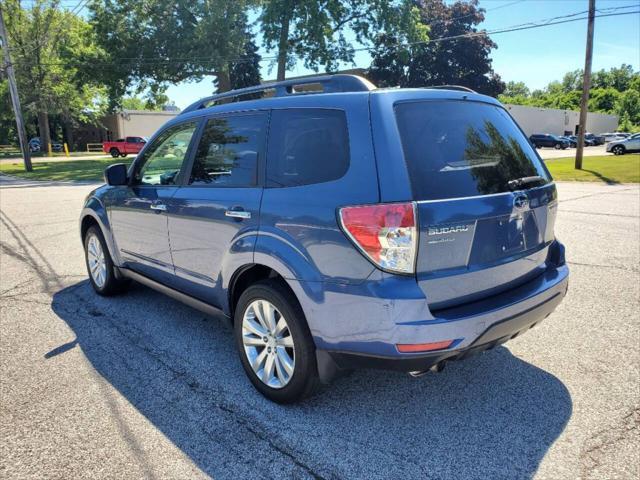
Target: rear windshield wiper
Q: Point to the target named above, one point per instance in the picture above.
(521, 182)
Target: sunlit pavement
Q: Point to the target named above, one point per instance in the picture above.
(57, 158)
(140, 386)
(547, 153)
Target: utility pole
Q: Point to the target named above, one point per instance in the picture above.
(586, 84)
(15, 100)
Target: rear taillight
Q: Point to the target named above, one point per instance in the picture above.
(386, 233)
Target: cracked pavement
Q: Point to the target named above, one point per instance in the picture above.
(140, 386)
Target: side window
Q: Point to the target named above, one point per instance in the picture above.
(307, 146)
(228, 151)
(164, 158)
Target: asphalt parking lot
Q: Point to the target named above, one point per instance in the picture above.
(140, 386)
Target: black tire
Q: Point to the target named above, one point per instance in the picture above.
(618, 150)
(115, 153)
(112, 285)
(304, 381)
(123, 155)
(557, 146)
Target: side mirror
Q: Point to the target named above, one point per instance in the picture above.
(116, 174)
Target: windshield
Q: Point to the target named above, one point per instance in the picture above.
(463, 148)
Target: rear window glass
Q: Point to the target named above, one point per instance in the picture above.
(463, 148)
(306, 146)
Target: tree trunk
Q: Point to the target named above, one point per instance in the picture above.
(283, 47)
(43, 128)
(224, 82)
(68, 133)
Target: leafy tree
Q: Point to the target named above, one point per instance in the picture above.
(603, 100)
(572, 80)
(565, 101)
(618, 78)
(459, 61)
(246, 72)
(628, 106)
(157, 42)
(8, 135)
(614, 91)
(314, 30)
(152, 103)
(52, 52)
(133, 103)
(513, 89)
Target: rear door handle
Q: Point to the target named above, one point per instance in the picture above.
(158, 206)
(237, 214)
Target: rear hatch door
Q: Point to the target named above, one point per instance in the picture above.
(486, 203)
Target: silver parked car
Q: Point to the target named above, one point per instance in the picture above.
(628, 145)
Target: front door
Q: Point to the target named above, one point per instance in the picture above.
(217, 213)
(138, 211)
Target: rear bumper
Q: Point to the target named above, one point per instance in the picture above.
(360, 328)
(497, 334)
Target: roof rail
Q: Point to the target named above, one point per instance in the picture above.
(453, 87)
(330, 84)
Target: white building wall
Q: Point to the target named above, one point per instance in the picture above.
(138, 123)
(601, 123)
(557, 122)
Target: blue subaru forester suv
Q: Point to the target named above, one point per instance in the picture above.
(338, 226)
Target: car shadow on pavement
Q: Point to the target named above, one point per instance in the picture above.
(491, 416)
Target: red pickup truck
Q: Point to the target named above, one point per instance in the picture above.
(123, 146)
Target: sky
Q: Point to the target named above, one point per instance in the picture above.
(536, 57)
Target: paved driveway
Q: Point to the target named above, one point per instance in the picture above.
(140, 386)
(547, 153)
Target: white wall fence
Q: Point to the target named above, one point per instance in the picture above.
(559, 122)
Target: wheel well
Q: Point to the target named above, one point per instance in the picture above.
(247, 277)
(87, 222)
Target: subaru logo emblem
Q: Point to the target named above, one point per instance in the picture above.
(521, 202)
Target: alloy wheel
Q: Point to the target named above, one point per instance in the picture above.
(96, 261)
(268, 343)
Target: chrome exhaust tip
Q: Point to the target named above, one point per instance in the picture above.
(437, 368)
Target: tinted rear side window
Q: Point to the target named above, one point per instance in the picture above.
(306, 146)
(227, 155)
(463, 148)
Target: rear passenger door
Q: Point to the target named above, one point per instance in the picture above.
(318, 158)
(216, 214)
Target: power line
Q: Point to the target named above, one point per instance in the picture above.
(569, 18)
(56, 33)
(513, 28)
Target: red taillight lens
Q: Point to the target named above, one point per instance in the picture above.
(386, 233)
(423, 347)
